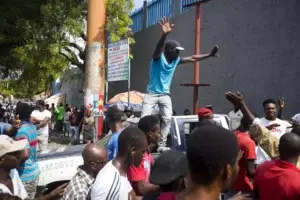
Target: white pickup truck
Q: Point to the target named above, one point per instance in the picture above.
(60, 165)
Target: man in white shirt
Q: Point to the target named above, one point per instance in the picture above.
(41, 117)
(235, 116)
(111, 182)
(277, 126)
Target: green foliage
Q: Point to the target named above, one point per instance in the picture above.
(33, 34)
(35, 45)
(118, 19)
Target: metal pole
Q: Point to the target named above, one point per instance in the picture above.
(129, 68)
(94, 81)
(197, 52)
(176, 7)
(128, 100)
(106, 92)
(145, 11)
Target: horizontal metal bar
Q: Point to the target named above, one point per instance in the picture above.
(195, 85)
(195, 3)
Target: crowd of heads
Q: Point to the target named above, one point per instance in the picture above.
(211, 161)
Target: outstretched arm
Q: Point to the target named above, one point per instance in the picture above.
(196, 58)
(166, 29)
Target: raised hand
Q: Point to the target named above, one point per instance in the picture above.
(214, 52)
(281, 102)
(235, 99)
(165, 25)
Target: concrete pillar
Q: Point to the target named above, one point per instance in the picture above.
(176, 7)
(145, 18)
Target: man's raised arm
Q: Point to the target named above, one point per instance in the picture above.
(196, 58)
(166, 29)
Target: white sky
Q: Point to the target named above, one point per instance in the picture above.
(138, 3)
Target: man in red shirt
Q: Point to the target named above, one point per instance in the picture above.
(139, 176)
(280, 179)
(246, 174)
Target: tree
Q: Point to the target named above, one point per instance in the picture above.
(38, 39)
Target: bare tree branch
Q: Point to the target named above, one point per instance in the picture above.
(76, 46)
(83, 36)
(73, 59)
(65, 55)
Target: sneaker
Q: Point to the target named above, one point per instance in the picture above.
(163, 149)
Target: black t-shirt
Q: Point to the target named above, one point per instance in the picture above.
(79, 117)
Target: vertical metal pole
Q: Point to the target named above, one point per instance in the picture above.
(94, 81)
(145, 11)
(129, 74)
(176, 7)
(128, 100)
(197, 52)
(106, 91)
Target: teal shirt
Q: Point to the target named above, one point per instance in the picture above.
(161, 75)
(29, 169)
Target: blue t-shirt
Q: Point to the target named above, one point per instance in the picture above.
(4, 128)
(161, 75)
(29, 169)
(112, 146)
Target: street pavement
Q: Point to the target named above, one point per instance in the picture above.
(58, 140)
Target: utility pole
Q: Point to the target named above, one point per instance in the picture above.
(94, 80)
(196, 83)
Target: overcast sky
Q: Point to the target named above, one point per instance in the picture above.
(138, 3)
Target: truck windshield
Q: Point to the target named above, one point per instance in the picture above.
(188, 127)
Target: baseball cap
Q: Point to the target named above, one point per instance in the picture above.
(8, 145)
(172, 45)
(204, 112)
(168, 167)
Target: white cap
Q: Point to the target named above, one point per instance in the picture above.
(8, 145)
(179, 48)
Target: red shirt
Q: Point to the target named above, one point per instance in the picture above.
(247, 145)
(277, 180)
(141, 172)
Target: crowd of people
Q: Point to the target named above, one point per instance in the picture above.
(219, 164)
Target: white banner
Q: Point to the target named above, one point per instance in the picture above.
(118, 61)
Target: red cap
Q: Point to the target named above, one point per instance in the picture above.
(204, 112)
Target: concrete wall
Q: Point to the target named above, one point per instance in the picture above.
(72, 82)
(259, 52)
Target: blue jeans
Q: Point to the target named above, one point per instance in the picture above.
(165, 108)
(75, 135)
